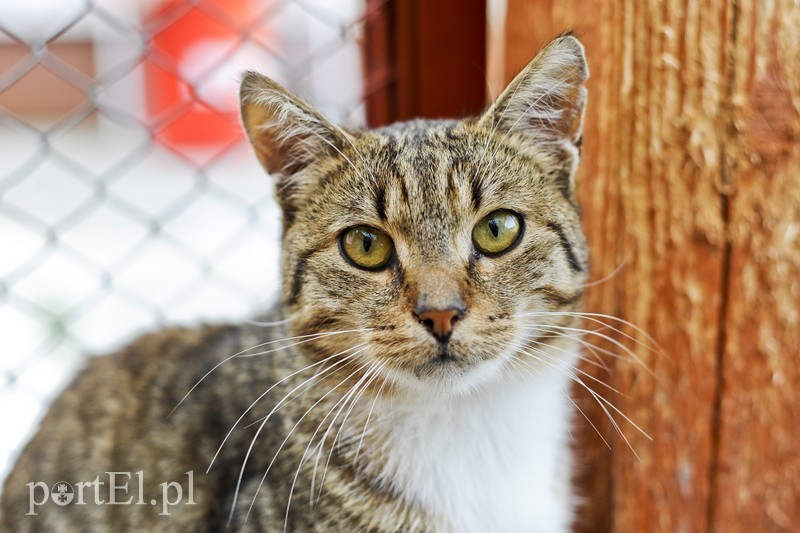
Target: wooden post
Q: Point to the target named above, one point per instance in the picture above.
(425, 59)
(758, 468)
(690, 186)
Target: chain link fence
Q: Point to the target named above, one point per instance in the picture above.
(128, 197)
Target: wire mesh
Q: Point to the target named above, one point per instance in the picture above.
(128, 198)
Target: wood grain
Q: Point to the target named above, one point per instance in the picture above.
(689, 184)
(758, 470)
(417, 69)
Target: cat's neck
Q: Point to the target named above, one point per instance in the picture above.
(496, 459)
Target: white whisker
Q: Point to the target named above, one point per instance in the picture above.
(356, 398)
(313, 336)
(311, 440)
(263, 394)
(608, 276)
(269, 324)
(598, 398)
(595, 317)
(578, 370)
(261, 427)
(369, 416)
(613, 341)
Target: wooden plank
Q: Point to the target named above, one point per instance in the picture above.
(758, 474)
(377, 57)
(437, 60)
(650, 190)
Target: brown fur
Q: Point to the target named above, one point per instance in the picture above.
(425, 184)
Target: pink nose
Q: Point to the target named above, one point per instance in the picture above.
(440, 322)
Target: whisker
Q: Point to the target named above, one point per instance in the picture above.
(314, 335)
(353, 403)
(576, 338)
(269, 324)
(595, 317)
(597, 364)
(582, 372)
(347, 136)
(285, 440)
(369, 415)
(306, 385)
(608, 276)
(613, 341)
(596, 398)
(343, 401)
(261, 427)
(520, 364)
(263, 394)
(587, 345)
(600, 401)
(360, 175)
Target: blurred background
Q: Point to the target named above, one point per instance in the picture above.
(129, 200)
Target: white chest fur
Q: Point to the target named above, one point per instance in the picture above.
(496, 460)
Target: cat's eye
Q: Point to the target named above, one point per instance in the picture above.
(367, 247)
(497, 232)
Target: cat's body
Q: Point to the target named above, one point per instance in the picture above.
(434, 352)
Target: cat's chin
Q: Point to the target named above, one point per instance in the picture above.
(451, 376)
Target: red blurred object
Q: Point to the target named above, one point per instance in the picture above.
(190, 95)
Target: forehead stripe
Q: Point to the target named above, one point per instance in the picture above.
(565, 244)
(380, 202)
(477, 192)
(297, 278)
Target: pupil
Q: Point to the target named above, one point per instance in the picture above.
(494, 227)
(367, 242)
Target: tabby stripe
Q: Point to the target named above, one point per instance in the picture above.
(477, 193)
(394, 169)
(403, 188)
(380, 203)
(458, 165)
(563, 179)
(559, 298)
(399, 277)
(297, 277)
(565, 244)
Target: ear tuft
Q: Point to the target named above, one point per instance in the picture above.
(546, 100)
(286, 132)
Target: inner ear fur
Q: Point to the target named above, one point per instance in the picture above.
(545, 102)
(287, 133)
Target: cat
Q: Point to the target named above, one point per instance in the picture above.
(415, 374)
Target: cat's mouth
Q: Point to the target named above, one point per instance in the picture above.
(445, 355)
(449, 372)
(445, 361)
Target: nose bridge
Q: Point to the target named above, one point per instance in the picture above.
(439, 286)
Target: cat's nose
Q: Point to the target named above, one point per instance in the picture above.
(440, 322)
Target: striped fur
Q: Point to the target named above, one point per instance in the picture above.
(362, 420)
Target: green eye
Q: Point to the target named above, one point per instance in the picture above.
(367, 247)
(497, 232)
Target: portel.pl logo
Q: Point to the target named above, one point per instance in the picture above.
(117, 488)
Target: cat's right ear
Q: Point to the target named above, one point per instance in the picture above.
(546, 101)
(286, 132)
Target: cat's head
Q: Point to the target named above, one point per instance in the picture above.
(435, 244)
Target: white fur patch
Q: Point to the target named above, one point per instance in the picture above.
(496, 459)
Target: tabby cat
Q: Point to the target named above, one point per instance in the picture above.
(413, 377)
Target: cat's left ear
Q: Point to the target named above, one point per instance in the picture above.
(286, 132)
(546, 101)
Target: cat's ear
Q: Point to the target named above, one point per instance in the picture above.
(546, 100)
(286, 132)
